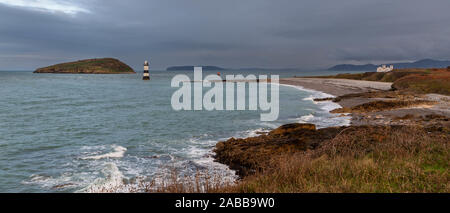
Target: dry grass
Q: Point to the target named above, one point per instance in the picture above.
(358, 159)
(374, 159)
(369, 159)
(202, 182)
(425, 83)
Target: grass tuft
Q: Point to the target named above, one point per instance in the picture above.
(371, 159)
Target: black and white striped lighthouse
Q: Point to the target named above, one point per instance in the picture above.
(146, 73)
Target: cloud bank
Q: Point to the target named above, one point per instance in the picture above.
(253, 33)
(53, 6)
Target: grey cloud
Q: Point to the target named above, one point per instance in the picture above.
(232, 33)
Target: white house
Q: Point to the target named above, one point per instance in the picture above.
(385, 68)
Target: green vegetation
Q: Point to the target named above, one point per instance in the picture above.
(89, 66)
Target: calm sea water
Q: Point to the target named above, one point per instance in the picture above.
(78, 133)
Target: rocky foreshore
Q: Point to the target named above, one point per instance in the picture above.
(379, 115)
(251, 155)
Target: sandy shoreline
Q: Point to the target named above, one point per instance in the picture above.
(339, 87)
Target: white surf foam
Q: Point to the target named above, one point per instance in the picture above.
(251, 133)
(306, 118)
(112, 182)
(200, 158)
(327, 119)
(119, 152)
(63, 182)
(44, 181)
(315, 93)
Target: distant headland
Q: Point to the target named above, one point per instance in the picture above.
(425, 63)
(89, 66)
(191, 68)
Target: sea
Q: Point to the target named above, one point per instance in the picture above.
(74, 133)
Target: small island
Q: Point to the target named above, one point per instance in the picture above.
(89, 66)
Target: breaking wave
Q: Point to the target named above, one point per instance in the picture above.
(119, 152)
(323, 118)
(113, 181)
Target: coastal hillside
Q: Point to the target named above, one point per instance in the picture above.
(352, 67)
(89, 66)
(414, 80)
(425, 63)
(398, 140)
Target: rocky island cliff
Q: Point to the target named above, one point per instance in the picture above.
(89, 66)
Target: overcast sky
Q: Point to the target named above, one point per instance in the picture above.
(227, 33)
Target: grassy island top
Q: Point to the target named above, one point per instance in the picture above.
(89, 66)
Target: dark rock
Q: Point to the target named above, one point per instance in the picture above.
(250, 155)
(324, 99)
(289, 128)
